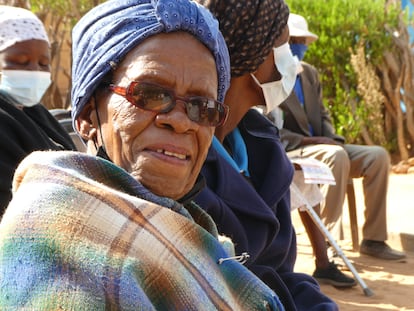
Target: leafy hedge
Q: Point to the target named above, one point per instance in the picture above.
(342, 27)
(362, 88)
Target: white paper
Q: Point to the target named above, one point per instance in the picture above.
(314, 171)
(303, 194)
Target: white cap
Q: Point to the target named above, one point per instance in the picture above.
(17, 25)
(298, 27)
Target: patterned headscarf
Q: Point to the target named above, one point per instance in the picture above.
(17, 25)
(103, 37)
(250, 28)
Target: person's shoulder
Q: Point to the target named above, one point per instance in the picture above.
(5, 98)
(51, 157)
(309, 72)
(256, 119)
(38, 109)
(7, 103)
(10, 106)
(308, 67)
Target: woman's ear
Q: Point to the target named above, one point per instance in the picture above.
(86, 123)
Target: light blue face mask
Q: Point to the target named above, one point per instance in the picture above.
(27, 87)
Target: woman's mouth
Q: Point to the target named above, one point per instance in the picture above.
(172, 154)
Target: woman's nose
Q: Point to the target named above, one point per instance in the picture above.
(177, 119)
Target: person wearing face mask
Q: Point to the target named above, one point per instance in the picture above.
(247, 171)
(276, 92)
(308, 131)
(326, 271)
(25, 125)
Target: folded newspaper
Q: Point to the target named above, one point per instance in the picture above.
(314, 171)
(309, 174)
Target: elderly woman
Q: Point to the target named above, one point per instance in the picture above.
(247, 170)
(122, 233)
(25, 125)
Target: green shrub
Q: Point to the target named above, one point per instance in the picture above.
(343, 25)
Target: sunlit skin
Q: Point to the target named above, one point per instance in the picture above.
(33, 55)
(164, 152)
(244, 93)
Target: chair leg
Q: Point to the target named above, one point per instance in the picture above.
(353, 220)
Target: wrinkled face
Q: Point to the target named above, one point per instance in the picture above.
(163, 151)
(33, 55)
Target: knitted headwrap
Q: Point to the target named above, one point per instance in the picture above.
(250, 28)
(103, 37)
(17, 25)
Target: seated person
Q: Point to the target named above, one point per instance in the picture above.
(119, 231)
(308, 131)
(247, 171)
(326, 271)
(25, 124)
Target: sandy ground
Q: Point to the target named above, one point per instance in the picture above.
(391, 282)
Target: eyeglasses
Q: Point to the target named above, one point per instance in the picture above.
(153, 97)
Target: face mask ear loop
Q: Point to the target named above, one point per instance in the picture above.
(99, 126)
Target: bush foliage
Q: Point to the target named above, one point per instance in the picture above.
(351, 30)
(363, 56)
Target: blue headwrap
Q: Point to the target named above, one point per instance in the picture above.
(103, 37)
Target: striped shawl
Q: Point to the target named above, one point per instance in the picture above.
(81, 234)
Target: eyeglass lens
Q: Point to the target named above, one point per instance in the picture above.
(156, 98)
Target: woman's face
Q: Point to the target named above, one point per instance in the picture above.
(163, 151)
(32, 55)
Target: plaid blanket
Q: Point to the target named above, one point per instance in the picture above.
(81, 234)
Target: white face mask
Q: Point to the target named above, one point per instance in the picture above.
(28, 87)
(276, 92)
